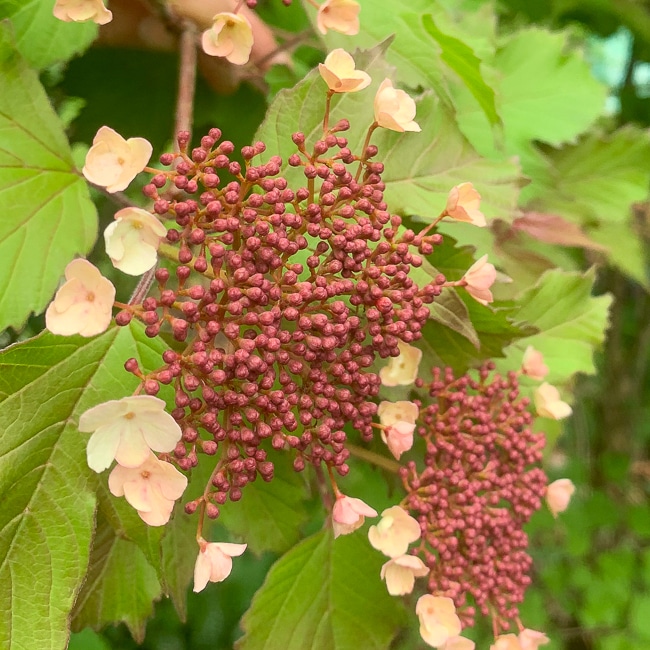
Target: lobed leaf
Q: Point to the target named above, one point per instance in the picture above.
(324, 593)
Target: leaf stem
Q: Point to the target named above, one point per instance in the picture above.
(374, 458)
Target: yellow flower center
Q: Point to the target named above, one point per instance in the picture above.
(130, 415)
(145, 474)
(90, 296)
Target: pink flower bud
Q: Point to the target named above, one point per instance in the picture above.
(81, 11)
(348, 514)
(549, 404)
(113, 162)
(152, 488)
(394, 532)
(463, 205)
(214, 562)
(132, 240)
(402, 370)
(533, 364)
(400, 573)
(438, 619)
(231, 36)
(394, 109)
(480, 277)
(83, 305)
(340, 75)
(126, 430)
(340, 16)
(558, 495)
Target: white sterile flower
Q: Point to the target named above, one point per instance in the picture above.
(479, 278)
(533, 364)
(394, 109)
(399, 420)
(394, 532)
(558, 495)
(340, 75)
(340, 16)
(438, 619)
(532, 639)
(126, 430)
(113, 162)
(348, 514)
(132, 240)
(231, 36)
(463, 204)
(548, 403)
(400, 574)
(214, 562)
(152, 488)
(81, 11)
(402, 370)
(84, 304)
(506, 642)
(457, 643)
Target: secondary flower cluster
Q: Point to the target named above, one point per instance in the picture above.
(480, 484)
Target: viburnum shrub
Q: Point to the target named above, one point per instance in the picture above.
(291, 305)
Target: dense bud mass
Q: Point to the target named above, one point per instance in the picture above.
(480, 484)
(284, 298)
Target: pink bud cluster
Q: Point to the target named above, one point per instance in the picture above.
(283, 298)
(480, 484)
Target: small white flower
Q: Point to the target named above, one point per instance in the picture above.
(403, 369)
(126, 430)
(340, 75)
(348, 514)
(394, 109)
(214, 562)
(548, 403)
(400, 574)
(394, 532)
(81, 11)
(132, 240)
(231, 36)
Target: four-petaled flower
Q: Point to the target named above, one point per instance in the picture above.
(533, 364)
(113, 162)
(532, 639)
(463, 205)
(339, 15)
(398, 418)
(438, 619)
(126, 430)
(214, 562)
(340, 75)
(394, 109)
(152, 488)
(478, 280)
(83, 305)
(403, 369)
(548, 403)
(132, 240)
(82, 10)
(348, 514)
(394, 532)
(558, 495)
(231, 36)
(400, 574)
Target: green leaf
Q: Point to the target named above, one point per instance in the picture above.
(324, 593)
(46, 487)
(570, 322)
(270, 515)
(41, 38)
(547, 93)
(462, 60)
(421, 168)
(121, 585)
(52, 218)
(179, 551)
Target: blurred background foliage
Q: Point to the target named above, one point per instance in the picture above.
(584, 164)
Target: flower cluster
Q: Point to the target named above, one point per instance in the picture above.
(480, 484)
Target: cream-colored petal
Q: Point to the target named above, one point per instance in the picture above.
(102, 447)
